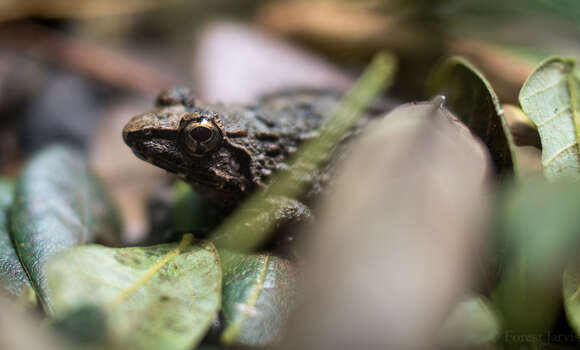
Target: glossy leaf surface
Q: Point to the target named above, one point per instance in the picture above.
(257, 298)
(13, 278)
(58, 203)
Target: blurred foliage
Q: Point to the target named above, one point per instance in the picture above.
(473, 322)
(538, 229)
(187, 202)
(490, 10)
(534, 226)
(470, 96)
(85, 9)
(58, 203)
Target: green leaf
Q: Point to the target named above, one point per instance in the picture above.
(192, 211)
(13, 279)
(550, 97)
(159, 297)
(473, 322)
(538, 226)
(471, 98)
(58, 203)
(571, 291)
(86, 325)
(258, 293)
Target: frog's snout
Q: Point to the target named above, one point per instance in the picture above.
(158, 124)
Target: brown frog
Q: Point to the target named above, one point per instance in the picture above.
(227, 151)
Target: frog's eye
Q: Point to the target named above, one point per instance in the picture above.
(201, 136)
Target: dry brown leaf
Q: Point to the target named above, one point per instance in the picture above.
(396, 239)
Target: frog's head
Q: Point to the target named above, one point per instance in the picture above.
(192, 143)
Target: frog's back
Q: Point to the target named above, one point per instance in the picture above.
(292, 114)
(270, 131)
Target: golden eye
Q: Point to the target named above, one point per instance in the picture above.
(201, 136)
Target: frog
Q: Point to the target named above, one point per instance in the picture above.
(226, 152)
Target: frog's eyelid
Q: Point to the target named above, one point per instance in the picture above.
(199, 114)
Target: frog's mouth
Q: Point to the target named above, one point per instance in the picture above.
(163, 151)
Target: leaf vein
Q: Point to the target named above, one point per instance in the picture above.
(187, 239)
(554, 116)
(546, 88)
(572, 86)
(555, 155)
(232, 331)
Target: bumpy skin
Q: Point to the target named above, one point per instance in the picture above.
(257, 140)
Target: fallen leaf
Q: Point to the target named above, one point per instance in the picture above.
(13, 279)
(159, 297)
(550, 97)
(58, 203)
(258, 294)
(383, 270)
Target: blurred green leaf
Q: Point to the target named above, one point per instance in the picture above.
(471, 98)
(58, 203)
(473, 322)
(86, 325)
(571, 288)
(192, 211)
(258, 294)
(550, 97)
(13, 279)
(159, 297)
(310, 156)
(538, 226)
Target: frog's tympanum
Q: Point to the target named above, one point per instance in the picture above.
(227, 151)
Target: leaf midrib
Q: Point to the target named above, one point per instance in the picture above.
(572, 86)
(232, 332)
(185, 241)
